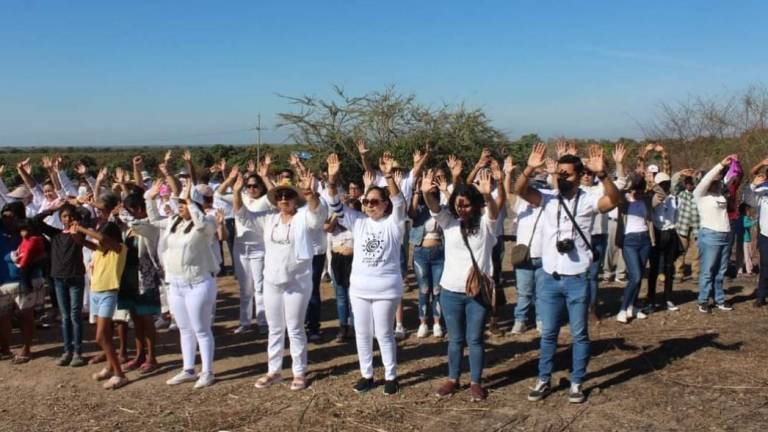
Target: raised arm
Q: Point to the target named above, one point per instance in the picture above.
(419, 158)
(386, 165)
(334, 165)
(498, 177)
(263, 171)
(509, 169)
(23, 169)
(455, 165)
(536, 160)
(428, 185)
(611, 195)
(760, 165)
(709, 177)
(363, 150)
(105, 243)
(484, 187)
(482, 162)
(187, 156)
(229, 181)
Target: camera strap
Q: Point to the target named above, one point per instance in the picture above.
(573, 221)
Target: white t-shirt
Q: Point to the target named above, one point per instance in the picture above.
(577, 260)
(224, 203)
(665, 214)
(376, 261)
(713, 207)
(458, 262)
(249, 238)
(526, 220)
(762, 206)
(600, 224)
(636, 218)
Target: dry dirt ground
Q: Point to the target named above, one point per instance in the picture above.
(674, 371)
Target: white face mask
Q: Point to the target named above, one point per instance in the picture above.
(82, 191)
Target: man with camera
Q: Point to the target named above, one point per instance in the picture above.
(567, 217)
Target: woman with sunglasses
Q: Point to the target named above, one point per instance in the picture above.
(248, 250)
(469, 225)
(376, 284)
(189, 268)
(288, 253)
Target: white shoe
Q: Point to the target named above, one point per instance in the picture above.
(206, 379)
(671, 306)
(399, 332)
(640, 314)
(622, 317)
(630, 312)
(518, 327)
(423, 331)
(161, 322)
(437, 330)
(241, 329)
(181, 378)
(173, 326)
(539, 326)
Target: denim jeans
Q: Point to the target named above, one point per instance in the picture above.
(714, 253)
(69, 294)
(762, 284)
(428, 267)
(526, 275)
(341, 267)
(465, 321)
(599, 243)
(313, 310)
(637, 247)
(553, 297)
(662, 259)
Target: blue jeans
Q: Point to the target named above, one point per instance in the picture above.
(428, 267)
(762, 284)
(714, 255)
(69, 294)
(554, 296)
(600, 244)
(636, 248)
(465, 321)
(526, 275)
(315, 302)
(341, 267)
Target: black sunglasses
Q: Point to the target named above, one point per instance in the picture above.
(253, 186)
(285, 196)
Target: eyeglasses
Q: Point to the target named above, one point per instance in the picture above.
(252, 186)
(587, 173)
(285, 196)
(463, 206)
(373, 202)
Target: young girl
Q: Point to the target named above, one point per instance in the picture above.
(108, 264)
(29, 255)
(747, 222)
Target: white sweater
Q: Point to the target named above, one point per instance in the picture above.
(713, 208)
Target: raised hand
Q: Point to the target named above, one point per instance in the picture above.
(758, 180)
(268, 159)
(293, 159)
(572, 149)
(80, 169)
(263, 170)
(154, 191)
(455, 165)
(484, 182)
(138, 161)
(688, 172)
(239, 184)
(509, 165)
(596, 161)
(536, 158)
(727, 161)
(251, 165)
(418, 156)
(442, 183)
(551, 166)
(496, 172)
(307, 181)
(2, 169)
(397, 176)
(485, 157)
(334, 165)
(386, 163)
(56, 161)
(23, 165)
(619, 152)
(102, 175)
(361, 147)
(46, 162)
(428, 181)
(187, 156)
(367, 180)
(234, 172)
(167, 157)
(119, 175)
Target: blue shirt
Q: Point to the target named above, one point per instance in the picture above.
(8, 270)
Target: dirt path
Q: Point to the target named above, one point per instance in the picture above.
(673, 371)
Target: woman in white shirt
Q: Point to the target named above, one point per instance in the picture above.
(287, 238)
(375, 284)
(189, 269)
(713, 236)
(468, 225)
(664, 253)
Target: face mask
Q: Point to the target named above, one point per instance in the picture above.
(82, 191)
(565, 185)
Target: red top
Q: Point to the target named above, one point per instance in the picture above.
(733, 202)
(30, 250)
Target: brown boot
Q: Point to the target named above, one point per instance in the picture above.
(493, 327)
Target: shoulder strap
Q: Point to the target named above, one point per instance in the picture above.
(471, 255)
(575, 225)
(533, 231)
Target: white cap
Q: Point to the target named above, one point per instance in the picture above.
(653, 168)
(661, 178)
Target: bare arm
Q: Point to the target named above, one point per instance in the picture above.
(187, 155)
(535, 161)
(485, 159)
(23, 168)
(363, 150)
(428, 185)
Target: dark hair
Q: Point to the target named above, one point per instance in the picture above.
(743, 207)
(26, 225)
(135, 201)
(259, 181)
(636, 182)
(72, 210)
(16, 208)
(285, 171)
(578, 165)
(688, 180)
(109, 200)
(477, 202)
(384, 196)
(112, 231)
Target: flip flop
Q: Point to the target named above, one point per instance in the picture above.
(99, 358)
(115, 383)
(133, 364)
(148, 368)
(20, 359)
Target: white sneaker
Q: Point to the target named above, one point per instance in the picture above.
(399, 332)
(518, 327)
(172, 326)
(181, 378)
(423, 331)
(671, 306)
(640, 314)
(206, 379)
(161, 322)
(241, 329)
(630, 312)
(539, 326)
(622, 317)
(437, 330)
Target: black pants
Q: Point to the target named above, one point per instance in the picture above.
(762, 284)
(313, 310)
(662, 259)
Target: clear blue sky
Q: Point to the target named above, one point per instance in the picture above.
(164, 72)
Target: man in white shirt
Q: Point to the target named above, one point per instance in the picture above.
(563, 282)
(759, 187)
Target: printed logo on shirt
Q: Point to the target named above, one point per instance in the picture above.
(373, 249)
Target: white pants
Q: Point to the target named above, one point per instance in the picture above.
(286, 308)
(191, 307)
(375, 318)
(250, 277)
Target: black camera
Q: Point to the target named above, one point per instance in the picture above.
(565, 246)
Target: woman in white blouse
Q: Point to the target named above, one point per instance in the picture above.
(376, 284)
(287, 239)
(189, 270)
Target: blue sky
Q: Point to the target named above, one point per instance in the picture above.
(163, 72)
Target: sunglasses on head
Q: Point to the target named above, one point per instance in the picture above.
(373, 202)
(285, 196)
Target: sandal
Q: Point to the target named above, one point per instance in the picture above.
(20, 359)
(299, 383)
(268, 380)
(148, 368)
(133, 364)
(102, 375)
(115, 383)
(99, 358)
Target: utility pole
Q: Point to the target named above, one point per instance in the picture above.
(258, 142)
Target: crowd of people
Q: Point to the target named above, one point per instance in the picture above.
(146, 249)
